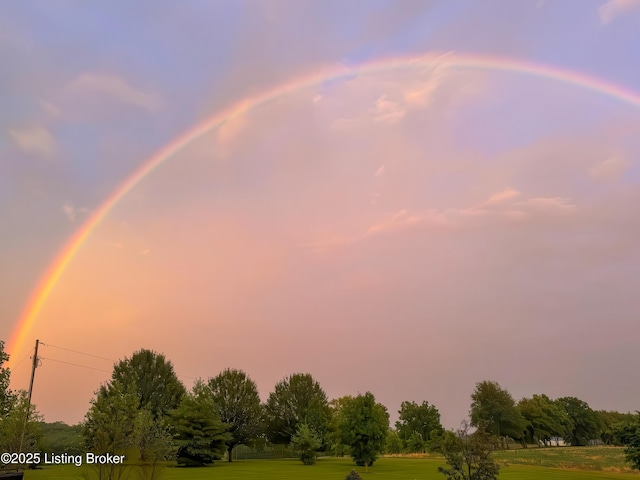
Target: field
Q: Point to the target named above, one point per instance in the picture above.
(607, 459)
(593, 463)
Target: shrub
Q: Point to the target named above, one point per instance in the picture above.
(353, 475)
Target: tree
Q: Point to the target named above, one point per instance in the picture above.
(546, 418)
(334, 436)
(393, 443)
(295, 400)
(237, 402)
(494, 410)
(151, 377)
(613, 426)
(115, 425)
(631, 439)
(363, 427)
(468, 455)
(109, 428)
(417, 424)
(12, 425)
(585, 423)
(13, 412)
(153, 441)
(6, 395)
(58, 438)
(198, 431)
(306, 444)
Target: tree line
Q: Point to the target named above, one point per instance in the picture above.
(145, 412)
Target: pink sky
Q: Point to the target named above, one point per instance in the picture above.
(409, 233)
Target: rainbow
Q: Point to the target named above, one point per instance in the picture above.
(449, 60)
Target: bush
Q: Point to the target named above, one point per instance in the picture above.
(353, 475)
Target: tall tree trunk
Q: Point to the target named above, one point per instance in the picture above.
(230, 452)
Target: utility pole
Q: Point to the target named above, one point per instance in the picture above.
(34, 365)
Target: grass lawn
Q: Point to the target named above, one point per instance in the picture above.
(396, 468)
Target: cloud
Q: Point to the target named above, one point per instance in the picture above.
(146, 252)
(399, 220)
(459, 217)
(50, 109)
(549, 204)
(610, 169)
(69, 211)
(72, 212)
(35, 140)
(387, 111)
(502, 196)
(614, 8)
(381, 171)
(115, 87)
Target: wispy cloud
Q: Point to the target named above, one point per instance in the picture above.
(115, 87)
(549, 204)
(614, 8)
(502, 196)
(387, 111)
(610, 169)
(72, 212)
(35, 140)
(381, 171)
(499, 207)
(399, 220)
(69, 211)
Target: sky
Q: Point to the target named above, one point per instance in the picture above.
(410, 228)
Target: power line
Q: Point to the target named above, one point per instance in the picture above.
(25, 357)
(89, 355)
(74, 364)
(76, 351)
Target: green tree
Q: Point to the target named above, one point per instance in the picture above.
(613, 426)
(334, 436)
(295, 400)
(198, 431)
(6, 395)
(12, 425)
(154, 444)
(494, 410)
(115, 425)
(393, 444)
(631, 439)
(417, 424)
(585, 423)
(129, 413)
(237, 402)
(363, 427)
(109, 428)
(468, 455)
(150, 376)
(546, 419)
(306, 444)
(58, 437)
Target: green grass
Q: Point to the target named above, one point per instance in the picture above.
(391, 468)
